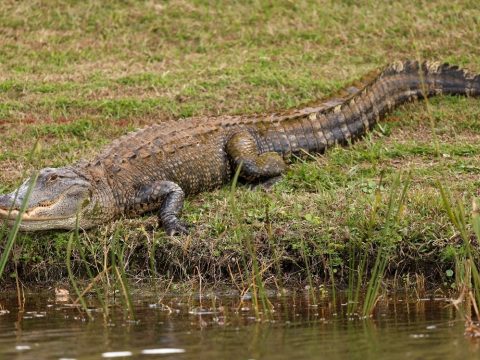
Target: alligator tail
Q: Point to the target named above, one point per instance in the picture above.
(435, 78)
(398, 83)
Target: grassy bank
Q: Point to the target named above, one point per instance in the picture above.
(74, 76)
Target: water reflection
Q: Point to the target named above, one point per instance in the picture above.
(219, 327)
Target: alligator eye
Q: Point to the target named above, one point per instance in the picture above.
(52, 177)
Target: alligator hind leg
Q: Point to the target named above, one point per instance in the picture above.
(171, 197)
(243, 150)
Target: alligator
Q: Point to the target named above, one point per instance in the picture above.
(153, 169)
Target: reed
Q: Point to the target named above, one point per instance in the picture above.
(358, 276)
(106, 283)
(355, 279)
(256, 285)
(275, 250)
(71, 277)
(117, 255)
(357, 267)
(11, 235)
(468, 276)
(94, 279)
(396, 201)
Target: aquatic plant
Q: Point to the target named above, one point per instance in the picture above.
(72, 279)
(11, 235)
(467, 272)
(112, 279)
(256, 286)
(358, 276)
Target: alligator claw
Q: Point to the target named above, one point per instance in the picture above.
(268, 184)
(176, 227)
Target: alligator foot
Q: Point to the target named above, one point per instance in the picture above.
(243, 149)
(175, 226)
(170, 196)
(267, 184)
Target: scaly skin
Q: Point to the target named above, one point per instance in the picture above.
(155, 168)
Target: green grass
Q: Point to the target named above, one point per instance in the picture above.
(73, 84)
(10, 235)
(467, 275)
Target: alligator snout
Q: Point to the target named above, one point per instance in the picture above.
(7, 211)
(7, 202)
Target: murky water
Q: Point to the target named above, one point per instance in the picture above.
(218, 327)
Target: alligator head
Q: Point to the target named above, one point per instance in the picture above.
(58, 197)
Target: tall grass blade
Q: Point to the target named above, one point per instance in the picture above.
(259, 294)
(391, 218)
(311, 288)
(12, 235)
(118, 265)
(71, 277)
(456, 212)
(93, 279)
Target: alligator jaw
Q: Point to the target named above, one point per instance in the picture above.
(6, 214)
(10, 215)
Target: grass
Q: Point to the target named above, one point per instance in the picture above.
(10, 235)
(467, 275)
(73, 84)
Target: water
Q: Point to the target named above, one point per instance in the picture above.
(219, 327)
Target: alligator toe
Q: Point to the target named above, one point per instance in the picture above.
(176, 227)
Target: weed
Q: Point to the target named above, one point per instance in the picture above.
(467, 272)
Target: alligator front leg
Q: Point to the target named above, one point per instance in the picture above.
(171, 198)
(243, 150)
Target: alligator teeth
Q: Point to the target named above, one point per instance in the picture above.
(13, 214)
(8, 214)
